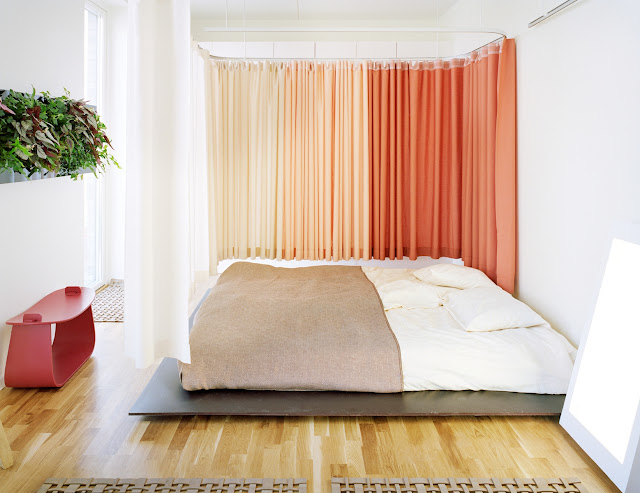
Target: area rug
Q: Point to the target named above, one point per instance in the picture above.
(456, 485)
(174, 485)
(109, 303)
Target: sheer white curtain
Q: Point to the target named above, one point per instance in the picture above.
(199, 162)
(157, 210)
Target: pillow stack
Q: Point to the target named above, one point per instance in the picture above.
(408, 293)
(477, 304)
(454, 276)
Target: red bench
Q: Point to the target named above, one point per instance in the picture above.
(33, 360)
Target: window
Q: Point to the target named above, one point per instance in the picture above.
(93, 188)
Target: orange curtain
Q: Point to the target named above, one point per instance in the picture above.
(442, 149)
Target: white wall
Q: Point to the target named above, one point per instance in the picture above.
(52, 60)
(41, 223)
(579, 153)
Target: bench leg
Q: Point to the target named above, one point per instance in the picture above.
(6, 456)
(29, 361)
(73, 345)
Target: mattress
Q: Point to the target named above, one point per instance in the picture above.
(438, 354)
(287, 326)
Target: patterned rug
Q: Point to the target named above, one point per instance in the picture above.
(109, 303)
(456, 485)
(174, 485)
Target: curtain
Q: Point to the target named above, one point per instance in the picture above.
(290, 170)
(200, 156)
(247, 151)
(443, 160)
(325, 165)
(157, 211)
(339, 160)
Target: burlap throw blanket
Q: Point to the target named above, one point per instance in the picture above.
(310, 328)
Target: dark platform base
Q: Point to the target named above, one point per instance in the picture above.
(164, 396)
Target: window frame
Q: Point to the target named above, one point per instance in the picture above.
(100, 237)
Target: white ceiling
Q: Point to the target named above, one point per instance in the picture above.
(418, 11)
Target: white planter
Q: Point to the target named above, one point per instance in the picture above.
(13, 177)
(6, 176)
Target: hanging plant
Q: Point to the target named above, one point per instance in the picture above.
(51, 134)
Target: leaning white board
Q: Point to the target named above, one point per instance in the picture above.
(602, 408)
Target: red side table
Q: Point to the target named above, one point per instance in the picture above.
(33, 361)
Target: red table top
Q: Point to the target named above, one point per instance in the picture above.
(57, 307)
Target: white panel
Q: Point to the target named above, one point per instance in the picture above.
(609, 413)
(602, 409)
(336, 50)
(206, 45)
(417, 49)
(260, 50)
(293, 50)
(376, 49)
(228, 49)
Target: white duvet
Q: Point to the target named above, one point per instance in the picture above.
(438, 354)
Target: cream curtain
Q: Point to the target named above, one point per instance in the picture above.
(290, 170)
(157, 211)
(246, 100)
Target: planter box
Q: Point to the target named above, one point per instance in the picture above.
(13, 177)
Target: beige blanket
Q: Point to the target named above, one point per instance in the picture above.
(310, 328)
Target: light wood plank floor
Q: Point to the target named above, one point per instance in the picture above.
(83, 430)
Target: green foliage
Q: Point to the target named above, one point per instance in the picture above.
(46, 133)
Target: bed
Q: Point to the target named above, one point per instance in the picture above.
(366, 329)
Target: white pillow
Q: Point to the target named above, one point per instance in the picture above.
(455, 276)
(488, 309)
(406, 293)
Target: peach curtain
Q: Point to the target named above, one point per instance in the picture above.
(443, 160)
(324, 187)
(290, 173)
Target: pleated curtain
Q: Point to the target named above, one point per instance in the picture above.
(325, 163)
(443, 160)
(247, 124)
(347, 159)
(290, 173)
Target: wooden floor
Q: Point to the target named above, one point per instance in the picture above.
(83, 430)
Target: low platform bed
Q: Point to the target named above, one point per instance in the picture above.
(164, 396)
(334, 341)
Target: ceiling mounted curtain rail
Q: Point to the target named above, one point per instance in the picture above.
(437, 30)
(354, 30)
